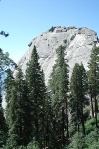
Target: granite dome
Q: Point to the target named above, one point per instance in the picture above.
(78, 43)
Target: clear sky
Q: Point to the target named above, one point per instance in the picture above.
(26, 19)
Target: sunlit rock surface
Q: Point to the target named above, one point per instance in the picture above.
(78, 43)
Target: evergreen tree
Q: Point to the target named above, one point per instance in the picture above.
(18, 113)
(42, 113)
(50, 132)
(3, 126)
(5, 63)
(37, 91)
(59, 87)
(9, 82)
(78, 88)
(93, 79)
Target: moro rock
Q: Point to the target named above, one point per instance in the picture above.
(78, 42)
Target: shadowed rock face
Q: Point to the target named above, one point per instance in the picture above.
(78, 43)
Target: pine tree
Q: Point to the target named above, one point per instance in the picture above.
(59, 87)
(19, 113)
(93, 79)
(50, 132)
(42, 113)
(63, 92)
(9, 82)
(3, 126)
(36, 88)
(78, 88)
(5, 63)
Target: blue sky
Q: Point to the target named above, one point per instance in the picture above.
(26, 19)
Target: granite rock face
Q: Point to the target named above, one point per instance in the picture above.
(78, 43)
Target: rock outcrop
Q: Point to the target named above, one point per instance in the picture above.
(78, 43)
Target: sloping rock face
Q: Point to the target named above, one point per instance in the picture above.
(78, 43)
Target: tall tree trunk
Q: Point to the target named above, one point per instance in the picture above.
(63, 126)
(91, 100)
(83, 125)
(36, 127)
(82, 119)
(78, 127)
(92, 106)
(96, 110)
(47, 134)
(67, 119)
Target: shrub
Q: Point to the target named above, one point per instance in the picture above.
(51, 29)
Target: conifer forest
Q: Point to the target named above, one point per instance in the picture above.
(64, 114)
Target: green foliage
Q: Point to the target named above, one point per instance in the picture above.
(36, 95)
(93, 74)
(18, 110)
(58, 85)
(93, 81)
(33, 112)
(11, 142)
(5, 62)
(33, 145)
(51, 29)
(78, 89)
(90, 125)
(9, 83)
(65, 41)
(77, 142)
(3, 128)
(92, 139)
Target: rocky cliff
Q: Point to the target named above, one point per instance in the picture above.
(78, 43)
